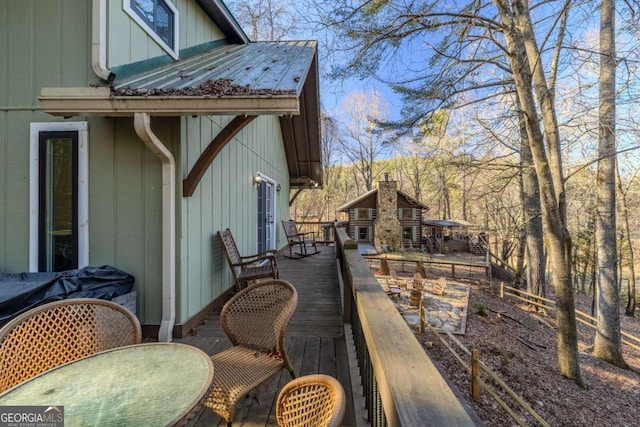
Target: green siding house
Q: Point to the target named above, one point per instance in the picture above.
(131, 131)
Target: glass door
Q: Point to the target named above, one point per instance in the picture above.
(266, 216)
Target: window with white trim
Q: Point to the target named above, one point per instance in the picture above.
(159, 18)
(58, 236)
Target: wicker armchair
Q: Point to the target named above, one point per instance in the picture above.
(59, 332)
(255, 320)
(313, 400)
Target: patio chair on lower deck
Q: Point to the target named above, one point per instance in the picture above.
(250, 267)
(255, 320)
(60, 332)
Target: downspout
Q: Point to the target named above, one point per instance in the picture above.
(99, 40)
(142, 124)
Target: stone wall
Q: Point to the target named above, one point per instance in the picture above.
(387, 226)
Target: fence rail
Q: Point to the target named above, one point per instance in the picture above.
(324, 231)
(455, 267)
(474, 367)
(548, 304)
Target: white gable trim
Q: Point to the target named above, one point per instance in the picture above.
(126, 6)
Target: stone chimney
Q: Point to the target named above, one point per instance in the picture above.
(387, 226)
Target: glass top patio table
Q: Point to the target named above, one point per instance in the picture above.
(150, 384)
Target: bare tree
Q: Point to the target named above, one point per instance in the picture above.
(469, 43)
(265, 19)
(532, 212)
(363, 140)
(607, 343)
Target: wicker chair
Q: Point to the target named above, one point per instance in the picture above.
(313, 400)
(250, 267)
(59, 332)
(255, 320)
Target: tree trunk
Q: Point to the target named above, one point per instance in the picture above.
(534, 246)
(607, 343)
(523, 55)
(630, 309)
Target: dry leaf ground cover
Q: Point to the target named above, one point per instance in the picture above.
(519, 345)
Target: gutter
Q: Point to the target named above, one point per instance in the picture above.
(142, 124)
(99, 40)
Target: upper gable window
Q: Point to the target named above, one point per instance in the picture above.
(159, 18)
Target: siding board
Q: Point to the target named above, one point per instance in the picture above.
(20, 44)
(228, 198)
(4, 202)
(4, 41)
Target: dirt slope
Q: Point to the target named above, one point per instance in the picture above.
(520, 346)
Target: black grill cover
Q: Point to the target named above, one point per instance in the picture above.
(23, 291)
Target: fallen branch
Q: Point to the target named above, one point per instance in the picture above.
(506, 315)
(527, 344)
(532, 342)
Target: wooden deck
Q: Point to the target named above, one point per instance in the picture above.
(315, 339)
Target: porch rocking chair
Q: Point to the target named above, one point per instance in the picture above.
(250, 267)
(301, 240)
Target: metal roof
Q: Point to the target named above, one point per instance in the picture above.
(257, 78)
(446, 223)
(260, 68)
(355, 202)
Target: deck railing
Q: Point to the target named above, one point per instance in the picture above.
(401, 385)
(324, 231)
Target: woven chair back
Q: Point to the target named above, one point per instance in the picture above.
(258, 316)
(230, 247)
(290, 229)
(312, 400)
(60, 332)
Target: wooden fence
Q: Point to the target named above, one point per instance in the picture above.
(456, 268)
(548, 304)
(475, 367)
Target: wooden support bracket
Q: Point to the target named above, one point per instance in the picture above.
(190, 184)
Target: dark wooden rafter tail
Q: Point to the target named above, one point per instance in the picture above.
(190, 184)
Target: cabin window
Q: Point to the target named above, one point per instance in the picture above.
(159, 18)
(407, 213)
(407, 233)
(363, 213)
(363, 234)
(59, 196)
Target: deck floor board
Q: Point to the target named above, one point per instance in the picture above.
(315, 340)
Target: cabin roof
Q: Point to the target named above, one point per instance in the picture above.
(358, 201)
(446, 223)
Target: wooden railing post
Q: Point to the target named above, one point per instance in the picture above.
(422, 319)
(502, 290)
(475, 374)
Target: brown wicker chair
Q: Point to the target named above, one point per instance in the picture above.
(313, 400)
(250, 267)
(59, 332)
(255, 320)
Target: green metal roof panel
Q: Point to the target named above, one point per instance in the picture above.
(270, 68)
